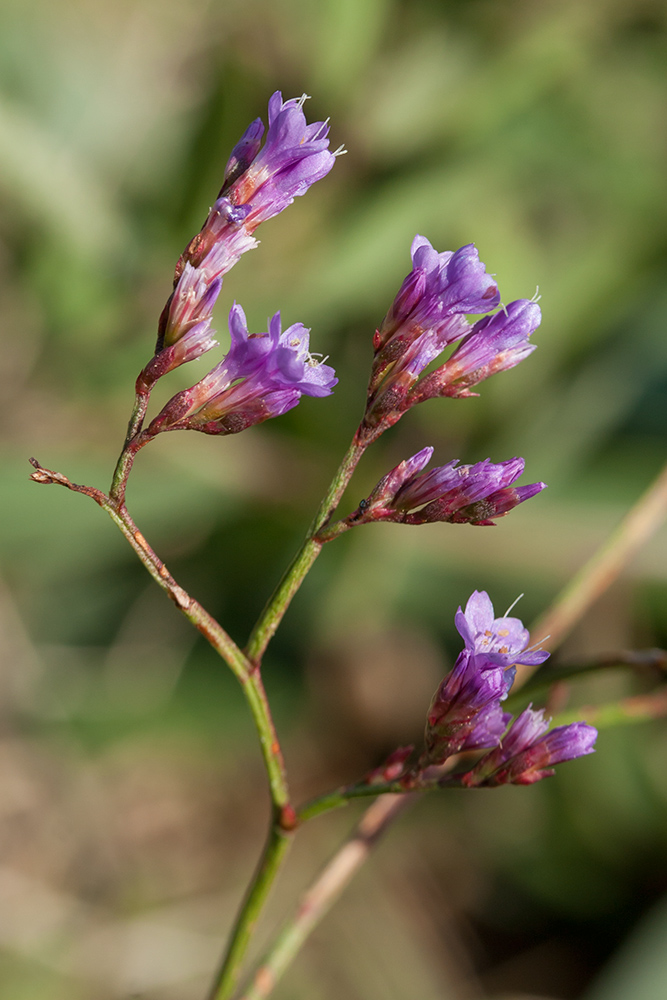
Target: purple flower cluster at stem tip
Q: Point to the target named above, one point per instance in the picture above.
(263, 375)
(460, 494)
(466, 711)
(260, 181)
(428, 315)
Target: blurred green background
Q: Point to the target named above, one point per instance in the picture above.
(132, 800)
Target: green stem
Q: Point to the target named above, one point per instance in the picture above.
(274, 852)
(284, 819)
(341, 796)
(295, 573)
(225, 646)
(253, 688)
(205, 623)
(141, 400)
(428, 780)
(130, 448)
(317, 901)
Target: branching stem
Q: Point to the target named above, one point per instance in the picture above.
(206, 624)
(593, 579)
(296, 572)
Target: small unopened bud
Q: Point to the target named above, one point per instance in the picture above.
(465, 713)
(393, 767)
(527, 753)
(460, 494)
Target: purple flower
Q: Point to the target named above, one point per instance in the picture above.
(429, 314)
(465, 713)
(502, 641)
(439, 286)
(525, 755)
(186, 327)
(495, 344)
(222, 240)
(259, 183)
(378, 506)
(243, 153)
(293, 157)
(460, 494)
(263, 375)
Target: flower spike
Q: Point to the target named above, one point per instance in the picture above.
(495, 344)
(466, 711)
(528, 752)
(460, 494)
(427, 316)
(259, 183)
(262, 376)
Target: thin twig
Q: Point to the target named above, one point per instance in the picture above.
(627, 711)
(650, 663)
(601, 570)
(213, 632)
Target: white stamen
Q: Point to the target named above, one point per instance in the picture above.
(512, 606)
(313, 359)
(341, 151)
(536, 645)
(321, 129)
(536, 297)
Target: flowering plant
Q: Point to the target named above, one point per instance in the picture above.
(470, 740)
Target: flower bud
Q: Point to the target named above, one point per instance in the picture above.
(525, 755)
(262, 376)
(460, 494)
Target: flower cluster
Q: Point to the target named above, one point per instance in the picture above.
(466, 711)
(460, 494)
(427, 316)
(260, 181)
(528, 752)
(263, 375)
